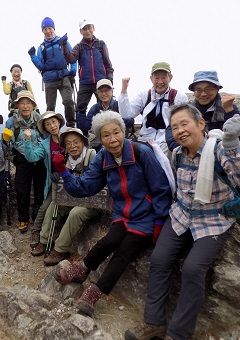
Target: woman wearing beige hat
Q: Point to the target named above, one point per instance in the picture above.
(49, 125)
(26, 173)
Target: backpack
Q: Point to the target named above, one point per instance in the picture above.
(170, 100)
(14, 92)
(231, 208)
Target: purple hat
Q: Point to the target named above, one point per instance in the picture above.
(47, 22)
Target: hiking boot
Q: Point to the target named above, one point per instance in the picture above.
(144, 331)
(35, 238)
(39, 249)
(55, 257)
(70, 272)
(23, 227)
(87, 301)
(168, 337)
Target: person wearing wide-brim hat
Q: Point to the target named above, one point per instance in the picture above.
(77, 159)
(49, 125)
(215, 108)
(26, 118)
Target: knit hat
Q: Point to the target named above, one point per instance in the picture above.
(162, 66)
(15, 65)
(47, 22)
(25, 94)
(74, 130)
(46, 115)
(210, 76)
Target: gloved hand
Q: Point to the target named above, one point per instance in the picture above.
(58, 163)
(231, 129)
(64, 39)
(4, 78)
(72, 73)
(157, 230)
(7, 135)
(32, 51)
(55, 177)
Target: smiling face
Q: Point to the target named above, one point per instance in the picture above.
(16, 74)
(105, 94)
(52, 125)
(87, 32)
(48, 32)
(161, 80)
(205, 92)
(112, 138)
(74, 144)
(25, 107)
(187, 131)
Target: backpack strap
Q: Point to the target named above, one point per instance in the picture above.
(171, 96)
(87, 158)
(148, 101)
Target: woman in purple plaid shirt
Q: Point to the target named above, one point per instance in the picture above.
(196, 223)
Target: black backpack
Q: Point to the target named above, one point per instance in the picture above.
(14, 92)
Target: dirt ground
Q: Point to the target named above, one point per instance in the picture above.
(113, 314)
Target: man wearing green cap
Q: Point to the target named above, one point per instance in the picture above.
(153, 104)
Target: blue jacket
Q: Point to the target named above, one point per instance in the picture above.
(85, 121)
(17, 122)
(91, 62)
(141, 194)
(51, 62)
(42, 151)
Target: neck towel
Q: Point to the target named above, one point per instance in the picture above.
(205, 174)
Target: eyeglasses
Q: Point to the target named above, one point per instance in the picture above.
(75, 142)
(207, 90)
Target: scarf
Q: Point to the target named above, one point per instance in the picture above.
(72, 163)
(215, 106)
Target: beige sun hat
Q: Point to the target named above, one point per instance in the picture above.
(75, 130)
(25, 94)
(46, 115)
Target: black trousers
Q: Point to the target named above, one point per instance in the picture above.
(27, 174)
(193, 273)
(125, 247)
(84, 96)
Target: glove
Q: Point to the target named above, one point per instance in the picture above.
(72, 73)
(157, 230)
(64, 39)
(4, 78)
(7, 135)
(231, 129)
(32, 51)
(58, 163)
(55, 177)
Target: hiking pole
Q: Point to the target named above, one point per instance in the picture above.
(8, 187)
(51, 231)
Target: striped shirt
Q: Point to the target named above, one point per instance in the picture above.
(201, 224)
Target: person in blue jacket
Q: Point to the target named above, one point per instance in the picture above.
(106, 101)
(141, 197)
(49, 125)
(215, 108)
(54, 69)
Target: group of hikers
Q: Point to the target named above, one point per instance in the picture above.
(165, 186)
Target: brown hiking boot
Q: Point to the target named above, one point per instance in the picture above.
(39, 249)
(145, 331)
(23, 227)
(70, 272)
(55, 257)
(87, 301)
(35, 238)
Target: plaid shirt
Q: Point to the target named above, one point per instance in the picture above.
(203, 224)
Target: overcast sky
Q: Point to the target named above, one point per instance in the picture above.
(190, 35)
